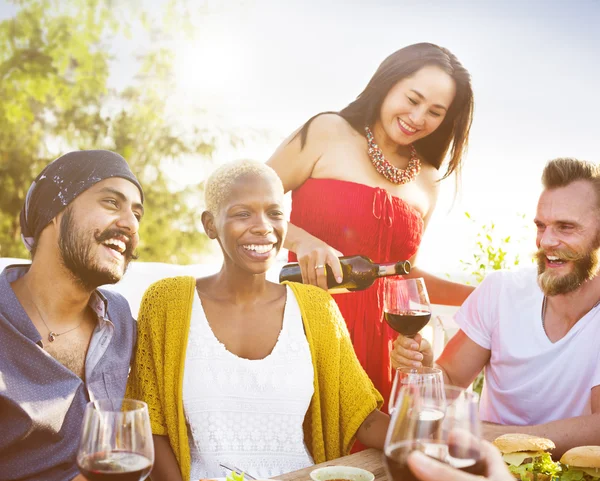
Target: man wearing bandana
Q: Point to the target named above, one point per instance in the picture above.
(63, 341)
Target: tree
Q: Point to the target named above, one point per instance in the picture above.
(55, 63)
(170, 231)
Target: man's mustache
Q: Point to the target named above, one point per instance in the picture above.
(562, 254)
(112, 233)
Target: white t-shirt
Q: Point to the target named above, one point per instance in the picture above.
(529, 380)
(247, 414)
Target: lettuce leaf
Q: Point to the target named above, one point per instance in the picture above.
(541, 464)
(573, 474)
(544, 464)
(521, 470)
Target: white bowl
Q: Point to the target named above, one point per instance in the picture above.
(341, 472)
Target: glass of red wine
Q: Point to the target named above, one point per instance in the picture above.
(429, 380)
(445, 427)
(116, 441)
(406, 305)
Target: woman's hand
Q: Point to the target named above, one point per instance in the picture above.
(312, 255)
(428, 469)
(409, 352)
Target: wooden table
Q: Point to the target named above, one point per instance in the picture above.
(370, 459)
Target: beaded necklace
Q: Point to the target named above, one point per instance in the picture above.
(390, 172)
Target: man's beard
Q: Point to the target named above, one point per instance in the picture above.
(76, 252)
(585, 267)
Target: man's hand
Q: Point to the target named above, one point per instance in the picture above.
(79, 477)
(428, 469)
(409, 352)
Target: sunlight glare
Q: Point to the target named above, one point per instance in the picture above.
(209, 68)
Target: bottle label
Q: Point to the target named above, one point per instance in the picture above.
(387, 270)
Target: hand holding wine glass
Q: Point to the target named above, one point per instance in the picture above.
(428, 469)
(411, 352)
(445, 428)
(116, 441)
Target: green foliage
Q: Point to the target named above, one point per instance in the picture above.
(490, 252)
(55, 65)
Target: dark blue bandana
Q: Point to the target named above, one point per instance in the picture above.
(62, 181)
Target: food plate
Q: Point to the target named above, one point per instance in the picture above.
(338, 473)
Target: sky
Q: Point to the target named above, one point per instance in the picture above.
(534, 68)
(266, 66)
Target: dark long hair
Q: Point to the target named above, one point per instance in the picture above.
(453, 133)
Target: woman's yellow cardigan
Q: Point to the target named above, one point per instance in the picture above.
(343, 393)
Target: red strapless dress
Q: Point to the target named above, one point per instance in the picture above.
(358, 219)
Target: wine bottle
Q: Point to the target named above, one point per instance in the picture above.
(358, 273)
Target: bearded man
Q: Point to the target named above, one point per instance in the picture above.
(63, 341)
(537, 334)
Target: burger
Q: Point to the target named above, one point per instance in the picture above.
(581, 464)
(527, 458)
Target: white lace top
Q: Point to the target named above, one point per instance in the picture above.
(247, 413)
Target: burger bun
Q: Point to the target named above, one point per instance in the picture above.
(515, 442)
(582, 457)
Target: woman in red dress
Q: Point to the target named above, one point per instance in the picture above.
(365, 181)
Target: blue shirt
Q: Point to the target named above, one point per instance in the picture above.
(41, 401)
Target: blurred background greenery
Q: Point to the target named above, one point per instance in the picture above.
(179, 86)
(55, 67)
(492, 252)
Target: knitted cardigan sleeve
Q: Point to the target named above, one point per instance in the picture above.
(157, 371)
(344, 394)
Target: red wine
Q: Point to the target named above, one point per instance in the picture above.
(396, 455)
(408, 323)
(115, 465)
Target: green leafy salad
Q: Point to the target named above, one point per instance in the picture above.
(528, 460)
(575, 474)
(541, 464)
(527, 457)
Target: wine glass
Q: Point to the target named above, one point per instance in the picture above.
(430, 381)
(116, 441)
(406, 305)
(446, 428)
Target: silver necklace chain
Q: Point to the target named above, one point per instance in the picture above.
(545, 305)
(51, 334)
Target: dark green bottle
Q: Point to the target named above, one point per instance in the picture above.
(359, 272)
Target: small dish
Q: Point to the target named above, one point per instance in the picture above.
(346, 473)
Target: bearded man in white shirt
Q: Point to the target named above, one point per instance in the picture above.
(537, 334)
